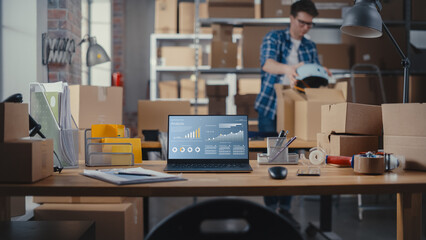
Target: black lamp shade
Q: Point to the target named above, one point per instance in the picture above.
(363, 20)
(95, 53)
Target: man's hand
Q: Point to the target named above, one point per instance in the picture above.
(290, 72)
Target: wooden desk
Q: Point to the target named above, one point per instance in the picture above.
(407, 184)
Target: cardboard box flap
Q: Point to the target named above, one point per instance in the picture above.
(324, 94)
(343, 87)
(293, 94)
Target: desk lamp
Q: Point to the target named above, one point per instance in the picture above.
(363, 20)
(95, 53)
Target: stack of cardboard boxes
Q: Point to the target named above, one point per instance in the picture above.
(247, 90)
(300, 113)
(349, 128)
(217, 95)
(23, 160)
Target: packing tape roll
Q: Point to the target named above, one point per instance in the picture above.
(317, 157)
(369, 165)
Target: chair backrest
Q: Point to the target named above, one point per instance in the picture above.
(187, 223)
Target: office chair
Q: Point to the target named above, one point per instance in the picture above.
(261, 222)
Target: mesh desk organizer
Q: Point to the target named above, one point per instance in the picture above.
(100, 153)
(50, 107)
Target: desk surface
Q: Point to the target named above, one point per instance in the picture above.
(252, 144)
(258, 183)
(408, 184)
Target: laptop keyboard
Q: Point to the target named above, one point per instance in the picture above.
(209, 165)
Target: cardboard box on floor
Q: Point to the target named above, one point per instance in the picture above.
(166, 16)
(346, 145)
(113, 221)
(404, 128)
(13, 121)
(96, 105)
(153, 115)
(300, 114)
(26, 160)
(351, 118)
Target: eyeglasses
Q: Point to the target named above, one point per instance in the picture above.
(303, 23)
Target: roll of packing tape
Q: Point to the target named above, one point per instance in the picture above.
(317, 156)
(374, 164)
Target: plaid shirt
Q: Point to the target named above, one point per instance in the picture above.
(277, 45)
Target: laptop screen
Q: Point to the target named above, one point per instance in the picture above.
(208, 137)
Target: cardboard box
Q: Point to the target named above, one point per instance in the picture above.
(253, 126)
(113, 221)
(230, 8)
(186, 16)
(168, 89)
(351, 118)
(217, 106)
(153, 115)
(222, 32)
(216, 91)
(223, 54)
(245, 105)
(378, 51)
(26, 160)
(346, 145)
(14, 121)
(300, 114)
(54, 199)
(96, 105)
(166, 16)
(187, 88)
(413, 148)
(337, 56)
(404, 119)
(276, 9)
(252, 41)
(178, 56)
(248, 86)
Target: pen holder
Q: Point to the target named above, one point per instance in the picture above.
(277, 153)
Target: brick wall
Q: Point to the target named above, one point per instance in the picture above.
(64, 21)
(118, 34)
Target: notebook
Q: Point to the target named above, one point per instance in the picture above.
(206, 143)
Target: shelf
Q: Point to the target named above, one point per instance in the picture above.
(321, 22)
(180, 69)
(179, 36)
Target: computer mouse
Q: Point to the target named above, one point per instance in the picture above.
(277, 172)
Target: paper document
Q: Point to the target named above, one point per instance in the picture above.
(131, 175)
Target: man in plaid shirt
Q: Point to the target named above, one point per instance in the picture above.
(282, 52)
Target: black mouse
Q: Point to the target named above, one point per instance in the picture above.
(277, 172)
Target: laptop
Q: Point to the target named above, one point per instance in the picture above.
(207, 143)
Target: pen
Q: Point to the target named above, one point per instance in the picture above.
(136, 174)
(278, 142)
(285, 146)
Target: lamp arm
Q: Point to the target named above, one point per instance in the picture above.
(405, 64)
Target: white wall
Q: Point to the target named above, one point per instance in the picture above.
(22, 24)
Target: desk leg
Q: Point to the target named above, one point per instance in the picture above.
(146, 215)
(409, 216)
(5, 208)
(325, 224)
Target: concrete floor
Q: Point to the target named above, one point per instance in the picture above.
(376, 224)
